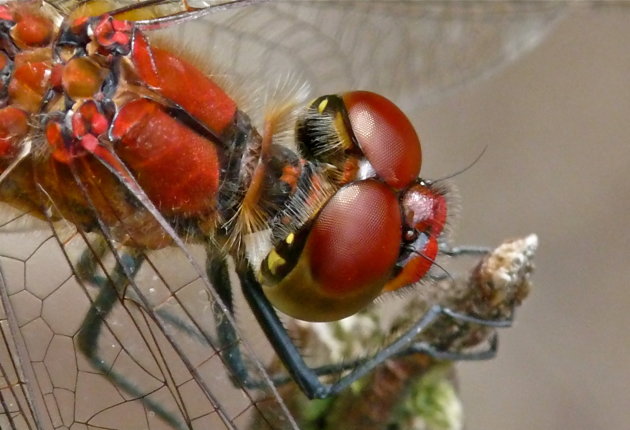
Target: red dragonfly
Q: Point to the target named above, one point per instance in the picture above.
(152, 185)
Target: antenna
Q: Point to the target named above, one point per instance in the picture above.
(459, 172)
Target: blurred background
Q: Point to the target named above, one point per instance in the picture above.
(557, 126)
(556, 123)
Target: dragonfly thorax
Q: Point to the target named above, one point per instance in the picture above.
(129, 135)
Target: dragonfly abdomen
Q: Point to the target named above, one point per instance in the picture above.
(100, 95)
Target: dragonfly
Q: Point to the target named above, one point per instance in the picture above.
(120, 311)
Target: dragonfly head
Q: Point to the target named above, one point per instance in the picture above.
(378, 231)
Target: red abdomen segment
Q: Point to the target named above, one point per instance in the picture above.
(176, 167)
(13, 126)
(184, 84)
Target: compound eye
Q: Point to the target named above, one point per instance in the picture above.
(348, 255)
(356, 238)
(386, 137)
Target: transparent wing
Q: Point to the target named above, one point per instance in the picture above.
(410, 51)
(156, 330)
(108, 336)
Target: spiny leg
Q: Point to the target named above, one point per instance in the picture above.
(306, 377)
(462, 325)
(87, 338)
(219, 276)
(228, 342)
(446, 349)
(427, 348)
(458, 251)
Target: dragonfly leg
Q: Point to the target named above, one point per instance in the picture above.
(427, 348)
(307, 378)
(457, 251)
(502, 323)
(87, 338)
(219, 276)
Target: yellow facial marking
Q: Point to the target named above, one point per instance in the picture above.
(289, 239)
(322, 105)
(274, 261)
(340, 127)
